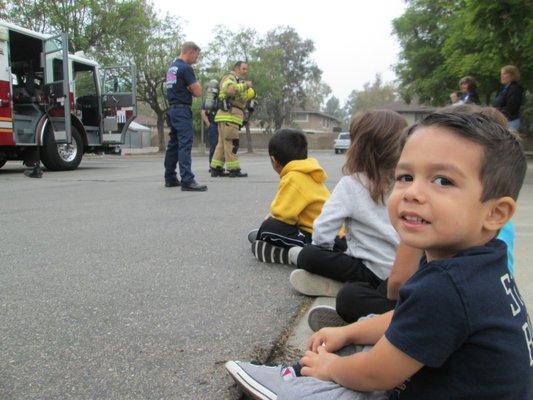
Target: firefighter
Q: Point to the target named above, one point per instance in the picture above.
(234, 94)
(182, 86)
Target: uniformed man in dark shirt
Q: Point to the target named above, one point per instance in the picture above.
(181, 86)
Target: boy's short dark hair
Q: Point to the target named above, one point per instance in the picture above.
(504, 164)
(287, 145)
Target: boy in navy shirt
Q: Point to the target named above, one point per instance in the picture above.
(460, 329)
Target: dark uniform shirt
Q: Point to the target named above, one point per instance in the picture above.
(180, 76)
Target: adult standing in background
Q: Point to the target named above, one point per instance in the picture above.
(235, 92)
(181, 85)
(468, 86)
(510, 96)
(468, 93)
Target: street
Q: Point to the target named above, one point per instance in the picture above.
(115, 287)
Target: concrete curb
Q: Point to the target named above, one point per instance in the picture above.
(301, 332)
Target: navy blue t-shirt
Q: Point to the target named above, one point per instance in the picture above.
(464, 319)
(180, 76)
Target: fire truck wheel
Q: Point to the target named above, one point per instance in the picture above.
(62, 157)
(2, 163)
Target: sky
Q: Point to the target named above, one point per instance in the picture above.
(353, 39)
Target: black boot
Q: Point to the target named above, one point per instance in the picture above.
(34, 172)
(236, 173)
(217, 172)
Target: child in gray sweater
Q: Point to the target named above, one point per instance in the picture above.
(358, 204)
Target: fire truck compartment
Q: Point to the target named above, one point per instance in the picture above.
(27, 81)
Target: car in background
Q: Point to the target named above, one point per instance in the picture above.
(342, 142)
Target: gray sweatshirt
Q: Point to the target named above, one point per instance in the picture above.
(369, 233)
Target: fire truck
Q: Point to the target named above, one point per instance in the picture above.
(64, 104)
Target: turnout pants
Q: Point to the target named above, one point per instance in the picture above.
(227, 147)
(364, 293)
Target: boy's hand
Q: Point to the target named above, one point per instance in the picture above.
(332, 339)
(318, 365)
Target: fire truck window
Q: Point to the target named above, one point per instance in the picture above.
(57, 67)
(84, 84)
(117, 80)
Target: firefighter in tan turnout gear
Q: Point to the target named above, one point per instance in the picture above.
(234, 93)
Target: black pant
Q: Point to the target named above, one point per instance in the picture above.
(335, 265)
(32, 157)
(279, 233)
(357, 299)
(364, 293)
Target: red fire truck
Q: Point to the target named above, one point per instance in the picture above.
(63, 103)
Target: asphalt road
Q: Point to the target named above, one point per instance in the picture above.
(115, 287)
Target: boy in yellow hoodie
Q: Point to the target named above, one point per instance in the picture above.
(299, 200)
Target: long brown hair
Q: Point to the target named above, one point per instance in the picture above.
(376, 139)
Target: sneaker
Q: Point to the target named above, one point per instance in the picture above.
(172, 183)
(267, 252)
(252, 235)
(313, 284)
(259, 381)
(323, 317)
(194, 187)
(237, 174)
(294, 252)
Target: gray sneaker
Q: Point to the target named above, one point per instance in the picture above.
(323, 317)
(259, 381)
(313, 284)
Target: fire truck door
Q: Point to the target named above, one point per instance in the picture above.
(57, 87)
(118, 97)
(6, 121)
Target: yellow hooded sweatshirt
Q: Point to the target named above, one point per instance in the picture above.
(301, 193)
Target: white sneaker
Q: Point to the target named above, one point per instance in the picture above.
(323, 317)
(312, 284)
(294, 252)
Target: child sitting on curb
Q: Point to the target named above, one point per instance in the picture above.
(355, 300)
(358, 202)
(460, 329)
(299, 200)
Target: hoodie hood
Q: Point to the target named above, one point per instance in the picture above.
(309, 166)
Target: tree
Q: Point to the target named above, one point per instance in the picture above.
(443, 41)
(152, 52)
(316, 93)
(486, 36)
(286, 58)
(421, 69)
(92, 25)
(374, 94)
(333, 107)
